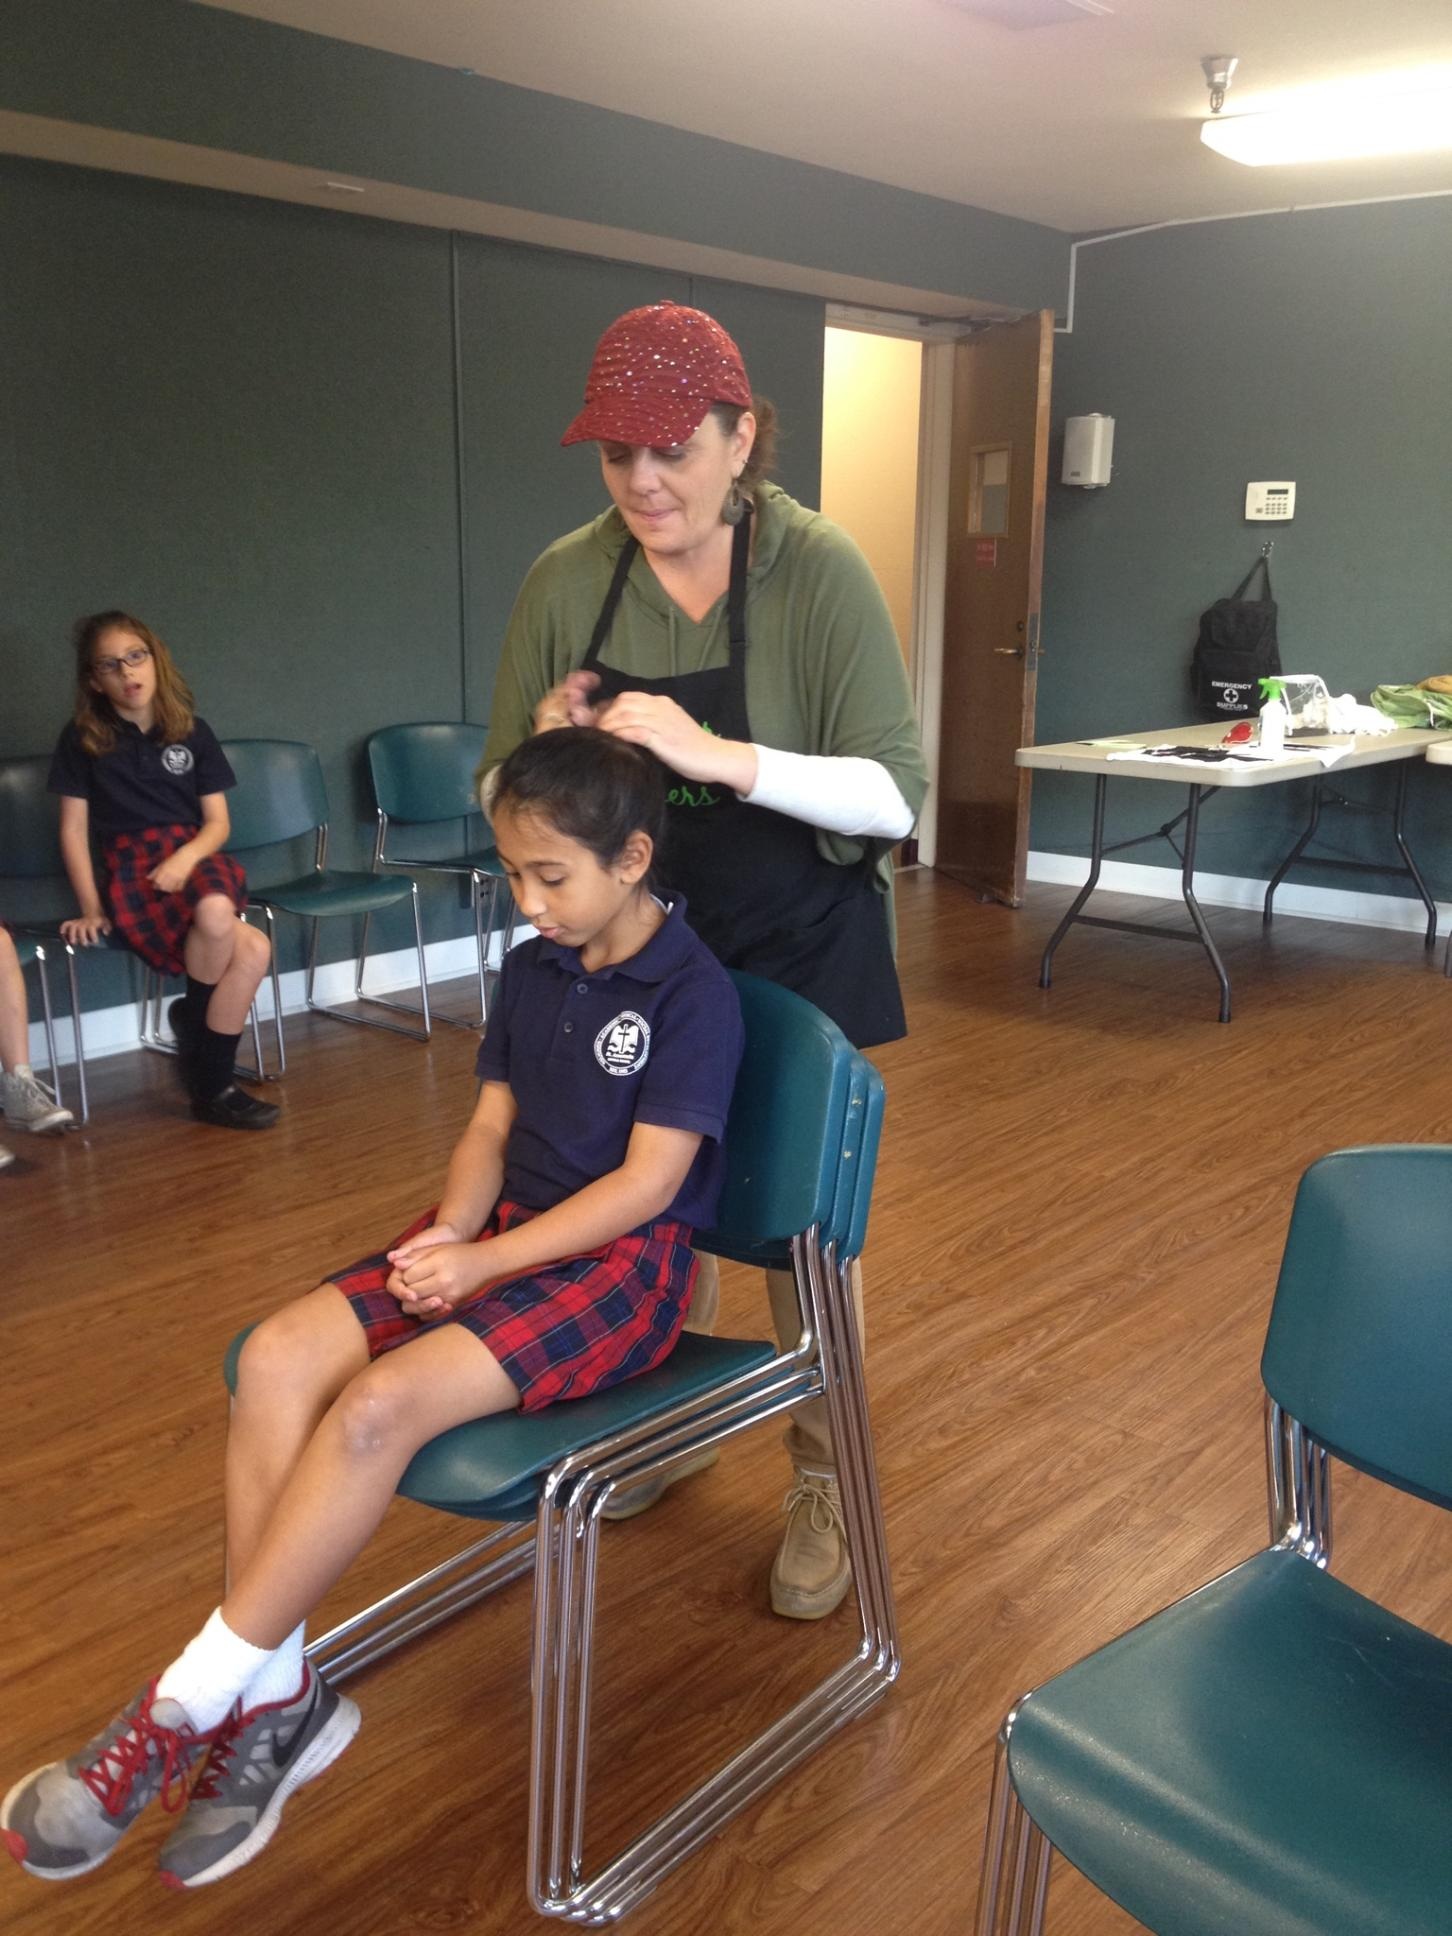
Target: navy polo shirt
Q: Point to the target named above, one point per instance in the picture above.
(141, 782)
(656, 1039)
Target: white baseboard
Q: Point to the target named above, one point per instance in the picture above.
(112, 1031)
(1237, 891)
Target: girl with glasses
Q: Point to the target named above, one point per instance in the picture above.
(137, 770)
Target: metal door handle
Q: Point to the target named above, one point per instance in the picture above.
(1009, 651)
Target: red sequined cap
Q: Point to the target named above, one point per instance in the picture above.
(656, 373)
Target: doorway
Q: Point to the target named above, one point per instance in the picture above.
(871, 401)
(872, 388)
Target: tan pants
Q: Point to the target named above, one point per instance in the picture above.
(808, 1438)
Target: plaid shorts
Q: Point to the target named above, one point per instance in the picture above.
(155, 925)
(568, 1329)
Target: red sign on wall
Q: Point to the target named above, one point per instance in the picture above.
(985, 552)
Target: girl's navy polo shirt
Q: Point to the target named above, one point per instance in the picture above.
(656, 1039)
(141, 782)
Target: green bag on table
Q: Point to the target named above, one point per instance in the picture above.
(1414, 705)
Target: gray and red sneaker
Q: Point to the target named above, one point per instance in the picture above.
(258, 1758)
(64, 1819)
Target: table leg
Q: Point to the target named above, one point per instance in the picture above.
(1187, 888)
(1399, 835)
(1296, 852)
(1096, 861)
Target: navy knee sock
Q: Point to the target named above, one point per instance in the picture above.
(198, 994)
(213, 1062)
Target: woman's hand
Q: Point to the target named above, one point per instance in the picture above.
(170, 876)
(651, 720)
(568, 703)
(85, 930)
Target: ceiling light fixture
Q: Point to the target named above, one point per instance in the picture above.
(1400, 117)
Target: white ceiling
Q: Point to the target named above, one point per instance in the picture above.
(1091, 124)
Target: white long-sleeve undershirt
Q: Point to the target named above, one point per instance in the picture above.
(841, 793)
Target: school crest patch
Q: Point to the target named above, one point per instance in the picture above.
(177, 759)
(623, 1046)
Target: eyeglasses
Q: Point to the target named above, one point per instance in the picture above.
(138, 655)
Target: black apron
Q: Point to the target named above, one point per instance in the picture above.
(758, 891)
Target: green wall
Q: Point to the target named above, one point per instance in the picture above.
(1315, 346)
(238, 419)
(221, 80)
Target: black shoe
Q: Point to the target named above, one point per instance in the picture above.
(233, 1108)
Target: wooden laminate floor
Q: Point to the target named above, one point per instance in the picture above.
(1079, 1212)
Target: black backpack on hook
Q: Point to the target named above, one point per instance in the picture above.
(1237, 648)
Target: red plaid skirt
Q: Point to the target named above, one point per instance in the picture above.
(153, 924)
(568, 1329)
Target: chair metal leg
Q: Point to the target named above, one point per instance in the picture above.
(276, 979)
(482, 1568)
(376, 1001)
(48, 1023)
(1298, 1487)
(565, 1599)
(829, 1282)
(151, 1037)
(78, 1032)
(483, 899)
(1013, 1887)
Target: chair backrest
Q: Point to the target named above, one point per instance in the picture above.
(29, 821)
(1359, 1347)
(425, 771)
(279, 793)
(785, 1137)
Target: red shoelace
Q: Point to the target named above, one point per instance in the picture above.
(221, 1752)
(111, 1777)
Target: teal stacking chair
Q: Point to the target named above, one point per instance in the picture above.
(1272, 1756)
(423, 774)
(280, 797)
(801, 1151)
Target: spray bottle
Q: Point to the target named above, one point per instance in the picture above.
(1273, 716)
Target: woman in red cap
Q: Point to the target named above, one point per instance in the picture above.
(744, 640)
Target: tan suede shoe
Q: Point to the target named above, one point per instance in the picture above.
(631, 1500)
(812, 1571)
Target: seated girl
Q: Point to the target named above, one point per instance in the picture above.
(557, 1262)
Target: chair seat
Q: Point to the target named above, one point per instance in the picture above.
(334, 891)
(493, 1468)
(1270, 1757)
(48, 934)
(26, 947)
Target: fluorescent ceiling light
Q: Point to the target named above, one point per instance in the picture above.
(1338, 126)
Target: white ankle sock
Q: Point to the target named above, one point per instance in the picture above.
(280, 1676)
(210, 1672)
(21, 1071)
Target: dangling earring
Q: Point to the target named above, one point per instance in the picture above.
(734, 509)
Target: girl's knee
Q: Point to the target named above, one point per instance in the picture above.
(253, 947)
(214, 917)
(372, 1410)
(286, 1349)
(377, 1411)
